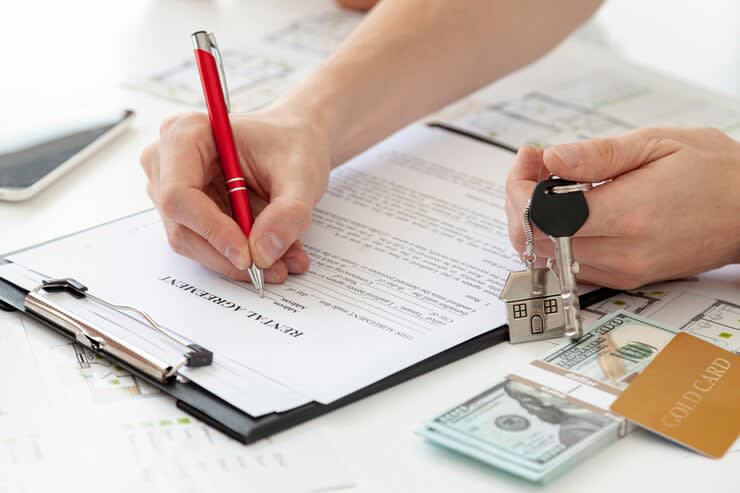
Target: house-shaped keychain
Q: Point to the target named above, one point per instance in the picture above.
(534, 305)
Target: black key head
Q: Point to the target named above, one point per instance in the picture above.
(557, 214)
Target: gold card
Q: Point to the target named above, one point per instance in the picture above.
(690, 393)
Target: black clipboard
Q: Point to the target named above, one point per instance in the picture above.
(218, 413)
(239, 425)
(204, 405)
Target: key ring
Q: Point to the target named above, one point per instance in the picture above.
(529, 256)
(576, 187)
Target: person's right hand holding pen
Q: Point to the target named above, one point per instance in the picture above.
(381, 79)
(187, 185)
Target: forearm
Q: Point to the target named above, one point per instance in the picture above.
(411, 57)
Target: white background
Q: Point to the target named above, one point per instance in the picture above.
(62, 49)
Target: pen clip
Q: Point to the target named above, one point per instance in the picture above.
(221, 71)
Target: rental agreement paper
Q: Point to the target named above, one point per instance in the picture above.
(409, 250)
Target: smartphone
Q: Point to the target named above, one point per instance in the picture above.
(33, 156)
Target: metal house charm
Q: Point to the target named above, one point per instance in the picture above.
(534, 306)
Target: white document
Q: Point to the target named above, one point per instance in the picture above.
(707, 306)
(158, 451)
(256, 77)
(580, 91)
(318, 35)
(266, 70)
(409, 251)
(68, 415)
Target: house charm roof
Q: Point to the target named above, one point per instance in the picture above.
(524, 285)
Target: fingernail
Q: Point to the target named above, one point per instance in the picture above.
(569, 154)
(270, 247)
(236, 258)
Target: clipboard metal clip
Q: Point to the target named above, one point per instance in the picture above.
(98, 339)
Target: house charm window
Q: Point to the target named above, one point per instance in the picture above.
(520, 310)
(533, 307)
(551, 306)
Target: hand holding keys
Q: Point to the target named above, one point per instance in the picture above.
(536, 309)
(558, 208)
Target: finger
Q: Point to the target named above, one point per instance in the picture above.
(606, 158)
(279, 271)
(527, 165)
(187, 165)
(149, 160)
(608, 208)
(520, 182)
(606, 278)
(610, 254)
(277, 274)
(595, 276)
(613, 208)
(277, 227)
(627, 264)
(518, 195)
(296, 259)
(257, 203)
(216, 191)
(188, 152)
(193, 209)
(167, 124)
(189, 244)
(287, 216)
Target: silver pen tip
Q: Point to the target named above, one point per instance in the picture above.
(258, 279)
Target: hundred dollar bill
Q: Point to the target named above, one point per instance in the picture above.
(537, 433)
(613, 352)
(531, 432)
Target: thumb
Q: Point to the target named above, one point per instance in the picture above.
(606, 158)
(278, 226)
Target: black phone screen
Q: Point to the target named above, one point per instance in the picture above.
(24, 166)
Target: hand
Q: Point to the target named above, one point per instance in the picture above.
(671, 209)
(286, 164)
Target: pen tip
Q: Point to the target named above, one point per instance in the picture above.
(258, 279)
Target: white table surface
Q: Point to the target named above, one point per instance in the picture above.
(375, 436)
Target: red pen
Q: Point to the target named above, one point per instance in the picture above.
(213, 79)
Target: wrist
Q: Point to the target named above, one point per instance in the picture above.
(315, 106)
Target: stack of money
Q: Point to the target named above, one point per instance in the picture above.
(545, 418)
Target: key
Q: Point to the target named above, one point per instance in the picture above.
(534, 307)
(558, 208)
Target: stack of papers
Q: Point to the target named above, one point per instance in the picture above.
(268, 68)
(581, 91)
(79, 417)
